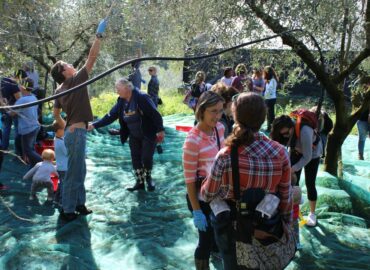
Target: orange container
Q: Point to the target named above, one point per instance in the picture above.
(55, 181)
(183, 128)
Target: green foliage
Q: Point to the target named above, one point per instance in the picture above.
(103, 103)
(172, 103)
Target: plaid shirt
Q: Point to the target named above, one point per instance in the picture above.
(263, 164)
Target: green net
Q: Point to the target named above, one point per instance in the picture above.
(154, 230)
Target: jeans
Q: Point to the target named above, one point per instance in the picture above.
(74, 193)
(7, 122)
(28, 146)
(225, 239)
(58, 193)
(363, 130)
(324, 139)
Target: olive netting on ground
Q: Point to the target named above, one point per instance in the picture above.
(154, 230)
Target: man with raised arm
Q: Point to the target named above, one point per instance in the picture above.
(77, 107)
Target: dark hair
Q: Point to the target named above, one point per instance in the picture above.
(57, 72)
(206, 100)
(257, 72)
(283, 121)
(227, 70)
(20, 73)
(249, 115)
(269, 73)
(226, 92)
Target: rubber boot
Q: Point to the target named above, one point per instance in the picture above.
(149, 181)
(201, 264)
(139, 185)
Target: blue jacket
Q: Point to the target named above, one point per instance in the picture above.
(141, 104)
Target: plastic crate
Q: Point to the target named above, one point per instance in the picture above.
(183, 128)
(44, 144)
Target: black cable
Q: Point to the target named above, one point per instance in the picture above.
(125, 63)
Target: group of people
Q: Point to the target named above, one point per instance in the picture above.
(139, 121)
(263, 82)
(228, 122)
(210, 174)
(237, 179)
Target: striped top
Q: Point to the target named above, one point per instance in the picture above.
(263, 164)
(199, 152)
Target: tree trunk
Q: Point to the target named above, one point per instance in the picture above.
(333, 150)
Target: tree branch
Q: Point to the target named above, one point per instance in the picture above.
(299, 47)
(363, 55)
(83, 54)
(78, 36)
(367, 24)
(365, 104)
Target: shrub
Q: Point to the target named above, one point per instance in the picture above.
(172, 103)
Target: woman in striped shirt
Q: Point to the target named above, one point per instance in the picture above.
(200, 148)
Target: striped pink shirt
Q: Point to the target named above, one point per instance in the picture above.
(199, 152)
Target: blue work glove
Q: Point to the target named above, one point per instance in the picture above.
(200, 220)
(101, 27)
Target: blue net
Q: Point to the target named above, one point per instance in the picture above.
(154, 230)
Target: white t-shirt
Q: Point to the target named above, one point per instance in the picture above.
(270, 89)
(227, 81)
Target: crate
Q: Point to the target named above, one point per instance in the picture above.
(183, 128)
(44, 144)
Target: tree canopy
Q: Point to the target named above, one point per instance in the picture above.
(46, 31)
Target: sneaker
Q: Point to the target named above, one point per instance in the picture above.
(82, 210)
(311, 220)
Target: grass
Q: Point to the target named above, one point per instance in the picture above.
(172, 103)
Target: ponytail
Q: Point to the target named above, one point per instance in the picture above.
(241, 135)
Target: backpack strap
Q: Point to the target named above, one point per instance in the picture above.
(298, 126)
(235, 173)
(218, 139)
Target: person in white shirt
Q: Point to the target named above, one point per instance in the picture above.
(227, 79)
(270, 93)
